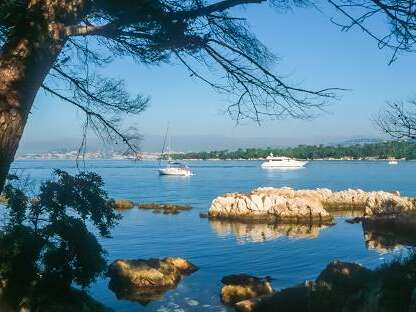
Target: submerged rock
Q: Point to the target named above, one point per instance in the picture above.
(241, 287)
(165, 208)
(122, 204)
(147, 280)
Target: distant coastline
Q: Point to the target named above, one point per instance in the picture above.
(374, 151)
(368, 152)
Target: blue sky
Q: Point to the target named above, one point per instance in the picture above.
(312, 52)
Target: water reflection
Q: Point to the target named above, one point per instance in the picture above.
(142, 296)
(384, 241)
(261, 232)
(347, 213)
(277, 169)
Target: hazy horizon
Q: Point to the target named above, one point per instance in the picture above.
(189, 143)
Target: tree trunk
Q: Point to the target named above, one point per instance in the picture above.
(24, 64)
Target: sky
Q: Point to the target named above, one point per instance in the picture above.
(312, 53)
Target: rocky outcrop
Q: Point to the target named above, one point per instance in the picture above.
(122, 204)
(293, 299)
(330, 292)
(345, 275)
(147, 280)
(261, 232)
(346, 287)
(307, 206)
(267, 205)
(241, 287)
(165, 208)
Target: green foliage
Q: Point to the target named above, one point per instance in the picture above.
(46, 243)
(399, 284)
(378, 150)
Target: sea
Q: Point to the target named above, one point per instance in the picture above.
(288, 254)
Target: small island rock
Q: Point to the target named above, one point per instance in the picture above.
(145, 280)
(287, 205)
(241, 287)
(122, 204)
(265, 205)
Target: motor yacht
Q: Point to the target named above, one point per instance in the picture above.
(282, 162)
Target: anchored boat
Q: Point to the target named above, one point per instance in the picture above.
(282, 162)
(174, 168)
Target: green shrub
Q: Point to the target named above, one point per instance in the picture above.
(46, 244)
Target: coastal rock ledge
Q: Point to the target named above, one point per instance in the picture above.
(287, 205)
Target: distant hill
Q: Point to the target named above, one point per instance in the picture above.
(359, 141)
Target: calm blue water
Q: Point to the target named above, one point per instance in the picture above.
(220, 248)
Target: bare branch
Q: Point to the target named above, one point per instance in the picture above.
(398, 120)
(400, 14)
(94, 116)
(213, 8)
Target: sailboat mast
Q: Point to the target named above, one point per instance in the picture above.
(165, 140)
(169, 148)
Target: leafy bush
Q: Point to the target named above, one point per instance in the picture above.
(46, 244)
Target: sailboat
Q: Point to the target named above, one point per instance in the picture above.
(174, 168)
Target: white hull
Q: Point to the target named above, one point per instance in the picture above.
(175, 171)
(393, 162)
(283, 164)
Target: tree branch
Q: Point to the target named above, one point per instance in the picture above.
(91, 114)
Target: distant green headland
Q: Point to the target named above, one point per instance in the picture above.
(382, 150)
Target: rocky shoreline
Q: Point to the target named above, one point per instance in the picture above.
(344, 287)
(286, 205)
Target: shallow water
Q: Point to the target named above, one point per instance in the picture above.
(288, 254)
